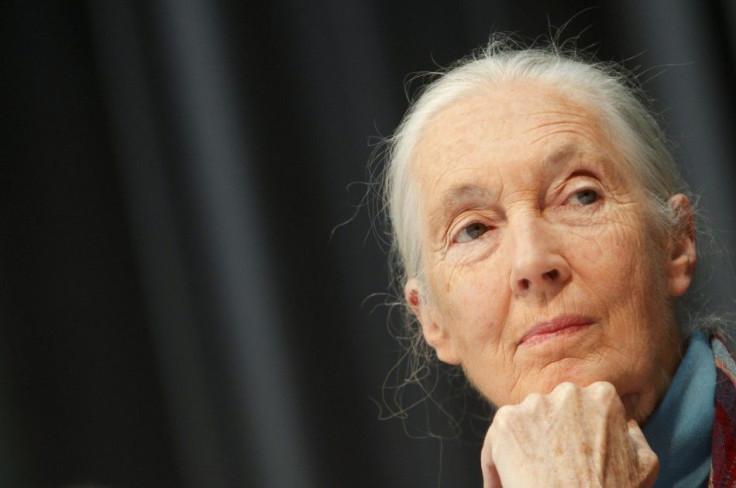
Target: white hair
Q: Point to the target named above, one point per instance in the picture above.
(605, 88)
(610, 92)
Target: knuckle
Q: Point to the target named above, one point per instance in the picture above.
(501, 419)
(565, 390)
(532, 405)
(531, 400)
(602, 390)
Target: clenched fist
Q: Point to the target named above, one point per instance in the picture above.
(572, 437)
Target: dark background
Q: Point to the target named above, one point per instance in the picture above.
(175, 307)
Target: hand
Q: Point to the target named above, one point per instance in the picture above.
(572, 437)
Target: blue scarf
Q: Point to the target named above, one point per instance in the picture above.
(680, 429)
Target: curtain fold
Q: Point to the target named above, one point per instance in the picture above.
(194, 297)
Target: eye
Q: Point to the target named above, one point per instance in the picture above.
(471, 232)
(584, 197)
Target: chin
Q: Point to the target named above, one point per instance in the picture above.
(545, 383)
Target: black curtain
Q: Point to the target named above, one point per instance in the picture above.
(192, 295)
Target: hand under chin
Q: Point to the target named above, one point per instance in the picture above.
(570, 437)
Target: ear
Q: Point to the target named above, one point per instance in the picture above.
(683, 256)
(434, 333)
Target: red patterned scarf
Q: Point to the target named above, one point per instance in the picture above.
(723, 447)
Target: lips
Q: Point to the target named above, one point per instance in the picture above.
(548, 329)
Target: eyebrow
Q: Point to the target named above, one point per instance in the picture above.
(562, 155)
(466, 195)
(461, 196)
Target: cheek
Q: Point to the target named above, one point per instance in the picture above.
(610, 260)
(621, 273)
(473, 302)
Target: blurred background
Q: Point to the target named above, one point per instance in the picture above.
(180, 306)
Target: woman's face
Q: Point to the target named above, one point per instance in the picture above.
(541, 259)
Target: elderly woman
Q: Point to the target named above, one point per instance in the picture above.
(544, 237)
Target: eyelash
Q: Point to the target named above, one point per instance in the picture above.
(457, 238)
(595, 193)
(484, 228)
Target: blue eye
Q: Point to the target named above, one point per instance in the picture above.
(471, 232)
(586, 197)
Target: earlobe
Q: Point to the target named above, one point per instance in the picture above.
(434, 333)
(683, 254)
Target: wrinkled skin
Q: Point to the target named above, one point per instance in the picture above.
(591, 442)
(530, 216)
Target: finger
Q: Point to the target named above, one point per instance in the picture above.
(640, 442)
(648, 460)
(491, 479)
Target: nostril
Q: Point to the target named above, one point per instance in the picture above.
(525, 284)
(552, 275)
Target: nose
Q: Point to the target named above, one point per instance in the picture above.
(538, 267)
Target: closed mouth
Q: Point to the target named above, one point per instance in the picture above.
(560, 325)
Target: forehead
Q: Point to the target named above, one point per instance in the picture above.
(522, 126)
